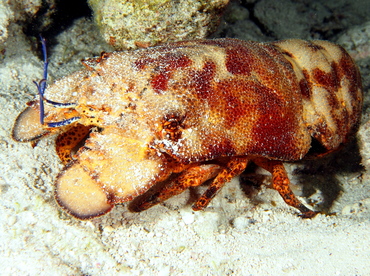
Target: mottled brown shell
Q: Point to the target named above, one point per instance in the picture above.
(276, 95)
(331, 89)
(195, 110)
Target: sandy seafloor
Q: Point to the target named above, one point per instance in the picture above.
(238, 234)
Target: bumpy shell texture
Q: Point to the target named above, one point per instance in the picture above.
(160, 113)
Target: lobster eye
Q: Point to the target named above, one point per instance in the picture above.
(172, 126)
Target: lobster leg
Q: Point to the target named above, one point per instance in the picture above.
(68, 141)
(233, 168)
(280, 182)
(191, 177)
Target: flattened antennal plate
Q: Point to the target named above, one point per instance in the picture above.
(27, 126)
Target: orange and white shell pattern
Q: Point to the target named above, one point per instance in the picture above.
(186, 112)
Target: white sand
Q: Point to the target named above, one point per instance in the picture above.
(236, 235)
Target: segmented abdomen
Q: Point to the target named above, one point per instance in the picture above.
(331, 88)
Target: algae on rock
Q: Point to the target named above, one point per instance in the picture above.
(132, 24)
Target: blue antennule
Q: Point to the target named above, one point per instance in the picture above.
(41, 86)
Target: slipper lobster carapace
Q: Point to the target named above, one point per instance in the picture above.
(184, 113)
